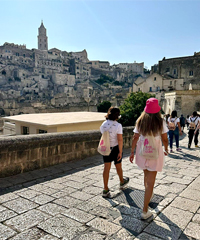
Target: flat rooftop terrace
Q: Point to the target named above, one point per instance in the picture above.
(61, 118)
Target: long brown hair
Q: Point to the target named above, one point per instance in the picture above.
(150, 123)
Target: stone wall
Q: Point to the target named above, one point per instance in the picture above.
(20, 154)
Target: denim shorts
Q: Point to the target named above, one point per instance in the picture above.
(113, 156)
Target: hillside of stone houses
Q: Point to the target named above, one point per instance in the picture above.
(51, 80)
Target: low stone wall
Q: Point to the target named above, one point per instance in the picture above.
(21, 153)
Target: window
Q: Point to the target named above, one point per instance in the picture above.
(25, 130)
(158, 89)
(155, 79)
(138, 89)
(42, 131)
(190, 73)
(150, 89)
(170, 83)
(175, 72)
(24, 55)
(167, 70)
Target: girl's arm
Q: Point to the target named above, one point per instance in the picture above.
(165, 142)
(120, 144)
(134, 142)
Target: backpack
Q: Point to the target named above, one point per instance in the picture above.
(192, 124)
(182, 120)
(148, 148)
(171, 125)
(104, 144)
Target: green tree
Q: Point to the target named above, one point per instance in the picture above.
(132, 108)
(104, 106)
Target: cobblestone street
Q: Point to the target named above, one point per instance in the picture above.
(65, 202)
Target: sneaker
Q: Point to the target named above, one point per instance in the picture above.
(106, 193)
(124, 184)
(145, 215)
(171, 151)
(196, 146)
(178, 149)
(189, 145)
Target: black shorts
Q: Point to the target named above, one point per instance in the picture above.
(113, 156)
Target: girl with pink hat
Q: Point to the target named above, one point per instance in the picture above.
(149, 134)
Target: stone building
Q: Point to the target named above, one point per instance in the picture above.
(184, 102)
(57, 79)
(186, 68)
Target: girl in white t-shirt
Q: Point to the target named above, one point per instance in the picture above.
(116, 143)
(176, 121)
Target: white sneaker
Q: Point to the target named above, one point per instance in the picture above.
(145, 215)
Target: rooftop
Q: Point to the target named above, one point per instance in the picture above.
(61, 118)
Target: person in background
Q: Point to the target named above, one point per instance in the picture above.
(116, 145)
(193, 123)
(150, 123)
(176, 131)
(182, 122)
(187, 121)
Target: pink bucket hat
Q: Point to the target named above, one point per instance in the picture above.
(152, 106)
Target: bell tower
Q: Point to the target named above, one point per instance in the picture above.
(42, 38)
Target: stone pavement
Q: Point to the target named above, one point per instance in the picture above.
(64, 202)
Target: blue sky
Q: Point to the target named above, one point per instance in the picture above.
(112, 30)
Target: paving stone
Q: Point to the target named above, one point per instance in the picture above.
(38, 187)
(6, 214)
(177, 188)
(50, 191)
(193, 230)
(60, 194)
(48, 237)
(27, 220)
(123, 234)
(6, 232)
(104, 226)
(78, 215)
(163, 231)
(107, 213)
(67, 201)
(87, 206)
(145, 236)
(185, 204)
(28, 193)
(90, 235)
(191, 194)
(61, 226)
(92, 190)
(185, 237)
(106, 202)
(129, 210)
(81, 195)
(168, 199)
(42, 199)
(131, 223)
(2, 208)
(52, 209)
(31, 234)
(196, 218)
(74, 184)
(7, 197)
(20, 205)
(174, 216)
